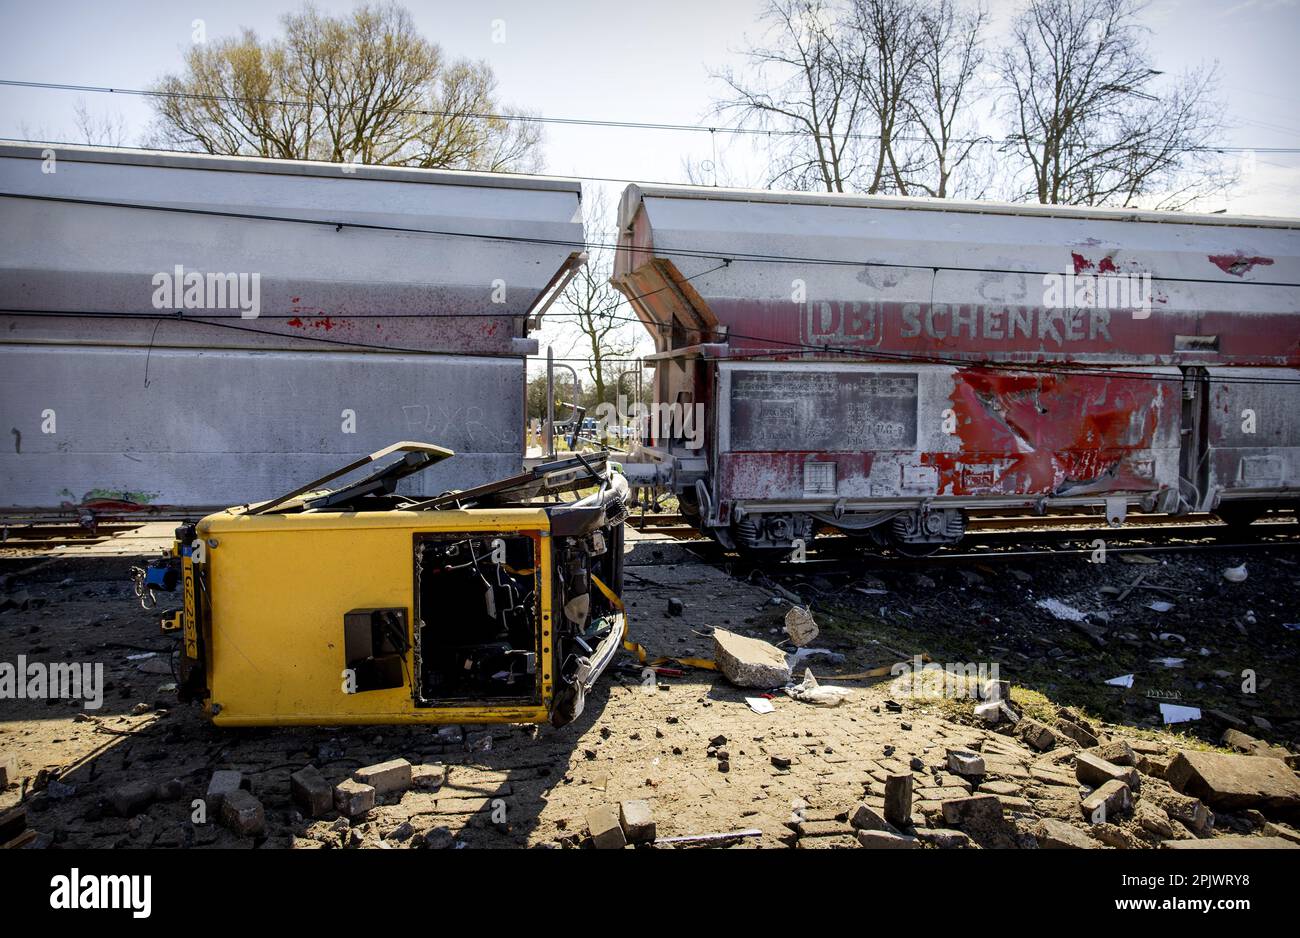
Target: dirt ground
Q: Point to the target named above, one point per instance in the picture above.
(795, 775)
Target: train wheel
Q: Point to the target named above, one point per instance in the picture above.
(922, 534)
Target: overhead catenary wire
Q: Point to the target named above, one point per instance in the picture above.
(712, 129)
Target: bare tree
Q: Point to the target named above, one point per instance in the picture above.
(868, 95)
(105, 130)
(363, 87)
(805, 85)
(888, 37)
(592, 305)
(1089, 120)
(949, 61)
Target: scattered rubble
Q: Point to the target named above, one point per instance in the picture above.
(352, 798)
(1232, 782)
(749, 662)
(873, 772)
(386, 778)
(311, 792)
(801, 628)
(605, 829)
(243, 814)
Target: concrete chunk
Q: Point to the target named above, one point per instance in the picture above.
(1153, 820)
(883, 840)
(965, 762)
(1054, 834)
(428, 777)
(867, 817)
(8, 769)
(311, 792)
(1232, 843)
(749, 662)
(1274, 829)
(990, 711)
(1106, 802)
(1094, 770)
(1229, 782)
(975, 809)
(352, 798)
(1036, 735)
(386, 777)
(1080, 734)
(1116, 752)
(898, 800)
(1188, 811)
(637, 821)
(131, 798)
(224, 781)
(943, 837)
(606, 831)
(1248, 745)
(800, 626)
(243, 814)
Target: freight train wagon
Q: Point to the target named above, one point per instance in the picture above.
(881, 365)
(179, 331)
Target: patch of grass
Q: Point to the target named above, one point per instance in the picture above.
(1033, 704)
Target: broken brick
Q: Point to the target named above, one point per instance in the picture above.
(311, 792)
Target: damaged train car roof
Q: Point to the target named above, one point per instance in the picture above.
(862, 275)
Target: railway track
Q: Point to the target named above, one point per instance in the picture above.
(992, 537)
(50, 536)
(673, 525)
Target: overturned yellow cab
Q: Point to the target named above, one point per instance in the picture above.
(345, 602)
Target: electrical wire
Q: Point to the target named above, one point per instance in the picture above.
(658, 251)
(566, 121)
(725, 261)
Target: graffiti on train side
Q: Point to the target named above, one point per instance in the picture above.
(458, 428)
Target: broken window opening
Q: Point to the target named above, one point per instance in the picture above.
(478, 636)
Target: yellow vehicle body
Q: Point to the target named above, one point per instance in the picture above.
(277, 585)
(360, 605)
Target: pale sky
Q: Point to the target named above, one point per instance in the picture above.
(609, 60)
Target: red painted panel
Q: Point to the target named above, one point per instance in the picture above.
(1018, 434)
(1006, 333)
